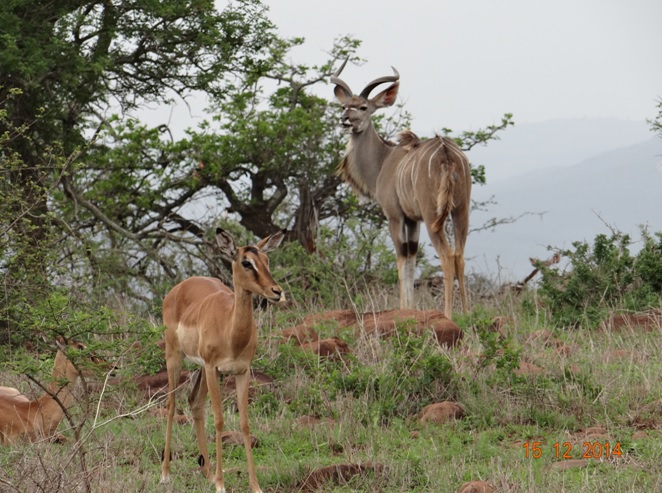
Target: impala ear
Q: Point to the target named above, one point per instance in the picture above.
(271, 242)
(225, 243)
(387, 96)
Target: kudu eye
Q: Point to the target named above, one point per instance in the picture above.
(363, 108)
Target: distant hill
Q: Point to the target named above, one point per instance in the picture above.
(620, 185)
(535, 146)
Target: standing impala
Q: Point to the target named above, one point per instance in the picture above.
(212, 326)
(413, 181)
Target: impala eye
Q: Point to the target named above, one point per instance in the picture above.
(246, 264)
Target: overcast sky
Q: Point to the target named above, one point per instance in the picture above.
(464, 63)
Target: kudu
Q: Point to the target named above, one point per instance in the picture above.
(414, 180)
(22, 418)
(213, 327)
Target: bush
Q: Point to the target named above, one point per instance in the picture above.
(603, 277)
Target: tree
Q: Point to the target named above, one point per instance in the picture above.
(656, 124)
(63, 66)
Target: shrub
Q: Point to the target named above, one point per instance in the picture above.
(603, 277)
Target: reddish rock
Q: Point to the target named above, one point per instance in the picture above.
(237, 438)
(526, 368)
(500, 324)
(162, 412)
(441, 412)
(300, 334)
(570, 464)
(645, 321)
(307, 420)
(343, 318)
(320, 479)
(476, 487)
(386, 323)
(327, 348)
(157, 384)
(258, 379)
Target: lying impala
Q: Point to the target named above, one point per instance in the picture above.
(413, 181)
(22, 418)
(212, 326)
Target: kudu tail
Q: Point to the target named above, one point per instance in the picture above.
(446, 186)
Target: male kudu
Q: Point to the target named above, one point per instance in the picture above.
(212, 326)
(414, 180)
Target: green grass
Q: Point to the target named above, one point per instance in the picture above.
(372, 398)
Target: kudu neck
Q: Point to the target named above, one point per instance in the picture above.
(366, 152)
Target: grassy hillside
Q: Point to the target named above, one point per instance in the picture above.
(536, 400)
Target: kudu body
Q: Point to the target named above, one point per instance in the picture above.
(22, 418)
(414, 180)
(212, 326)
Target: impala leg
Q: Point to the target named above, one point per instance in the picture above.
(197, 402)
(243, 381)
(217, 406)
(174, 366)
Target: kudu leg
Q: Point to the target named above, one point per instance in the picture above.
(197, 402)
(217, 406)
(459, 273)
(243, 382)
(404, 233)
(447, 267)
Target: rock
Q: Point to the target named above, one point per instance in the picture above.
(645, 321)
(440, 413)
(300, 334)
(476, 487)
(339, 474)
(328, 348)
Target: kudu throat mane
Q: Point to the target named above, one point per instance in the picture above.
(347, 167)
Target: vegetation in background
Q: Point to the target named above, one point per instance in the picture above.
(603, 277)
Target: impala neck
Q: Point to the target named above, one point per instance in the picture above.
(366, 152)
(51, 411)
(242, 321)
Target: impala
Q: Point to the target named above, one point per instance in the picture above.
(414, 180)
(212, 326)
(23, 418)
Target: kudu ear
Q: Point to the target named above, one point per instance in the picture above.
(271, 242)
(387, 96)
(341, 94)
(225, 243)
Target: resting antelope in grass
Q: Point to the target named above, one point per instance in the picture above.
(23, 418)
(413, 181)
(212, 326)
